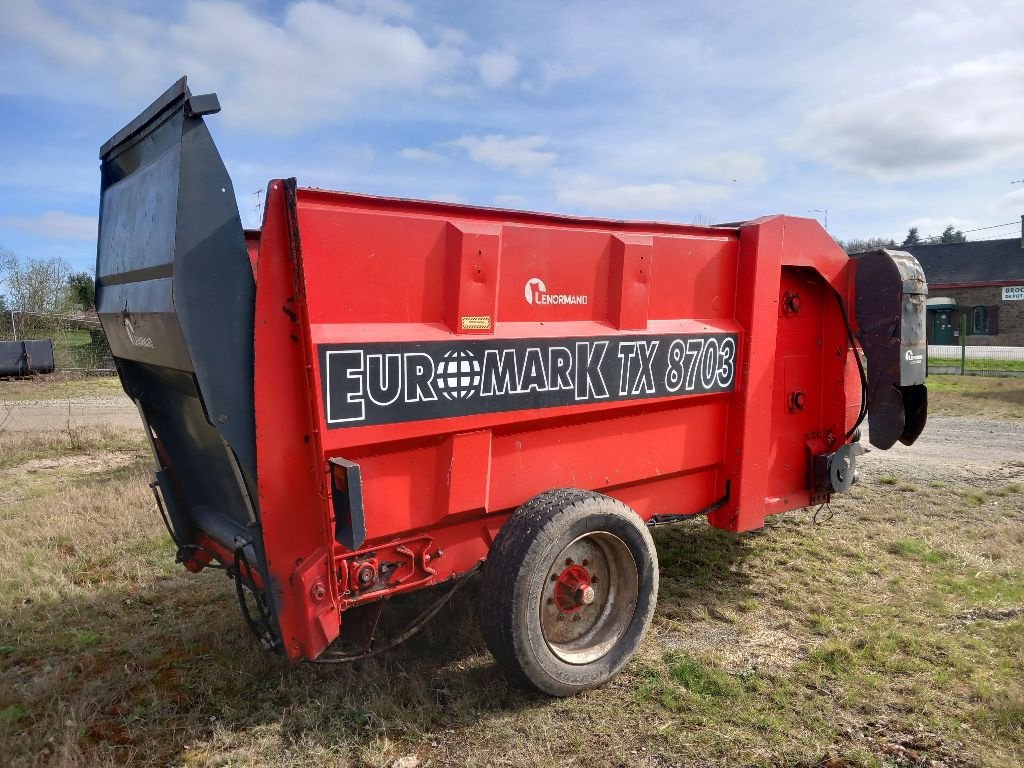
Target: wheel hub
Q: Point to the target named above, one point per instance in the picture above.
(589, 597)
(572, 589)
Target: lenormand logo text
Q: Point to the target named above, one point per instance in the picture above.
(536, 292)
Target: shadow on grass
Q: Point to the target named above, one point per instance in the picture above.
(152, 672)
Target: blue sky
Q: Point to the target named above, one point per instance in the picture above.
(888, 114)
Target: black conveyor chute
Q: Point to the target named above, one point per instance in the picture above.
(891, 297)
(176, 297)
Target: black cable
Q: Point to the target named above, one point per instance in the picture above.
(413, 627)
(819, 518)
(263, 629)
(860, 365)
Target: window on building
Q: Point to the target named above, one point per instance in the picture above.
(984, 321)
(979, 321)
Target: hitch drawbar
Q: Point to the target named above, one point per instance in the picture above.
(372, 396)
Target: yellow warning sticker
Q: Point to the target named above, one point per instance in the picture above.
(476, 322)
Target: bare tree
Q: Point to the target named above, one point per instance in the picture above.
(858, 245)
(35, 285)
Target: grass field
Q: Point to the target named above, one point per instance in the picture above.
(977, 364)
(991, 397)
(889, 634)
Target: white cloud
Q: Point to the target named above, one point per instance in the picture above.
(448, 197)
(524, 154)
(311, 66)
(1012, 202)
(964, 119)
(554, 72)
(728, 166)
(424, 155)
(599, 194)
(510, 201)
(383, 8)
(498, 68)
(55, 224)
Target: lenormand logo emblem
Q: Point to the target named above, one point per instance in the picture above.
(135, 339)
(913, 358)
(536, 292)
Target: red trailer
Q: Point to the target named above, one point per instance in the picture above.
(372, 396)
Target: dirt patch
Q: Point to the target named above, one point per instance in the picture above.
(19, 482)
(739, 649)
(919, 749)
(992, 614)
(84, 463)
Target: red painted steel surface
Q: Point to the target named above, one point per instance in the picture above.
(342, 269)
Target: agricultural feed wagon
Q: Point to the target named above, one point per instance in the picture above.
(371, 396)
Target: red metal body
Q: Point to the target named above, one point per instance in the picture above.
(343, 269)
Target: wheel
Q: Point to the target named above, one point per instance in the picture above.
(568, 590)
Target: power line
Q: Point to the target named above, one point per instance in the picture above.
(994, 226)
(931, 238)
(983, 239)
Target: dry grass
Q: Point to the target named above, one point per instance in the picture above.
(889, 634)
(988, 397)
(58, 386)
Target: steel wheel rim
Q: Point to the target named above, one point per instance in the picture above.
(576, 630)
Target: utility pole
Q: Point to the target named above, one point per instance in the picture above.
(821, 210)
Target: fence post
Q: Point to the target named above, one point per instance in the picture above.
(963, 344)
(14, 328)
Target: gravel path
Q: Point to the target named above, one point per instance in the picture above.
(977, 451)
(55, 415)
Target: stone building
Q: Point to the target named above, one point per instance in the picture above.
(983, 280)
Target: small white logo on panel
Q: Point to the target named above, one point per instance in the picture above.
(135, 339)
(536, 292)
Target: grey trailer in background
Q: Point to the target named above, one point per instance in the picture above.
(25, 358)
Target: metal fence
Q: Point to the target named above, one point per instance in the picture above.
(78, 340)
(970, 360)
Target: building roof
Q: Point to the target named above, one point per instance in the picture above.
(987, 262)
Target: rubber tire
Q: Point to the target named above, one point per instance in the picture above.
(514, 576)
